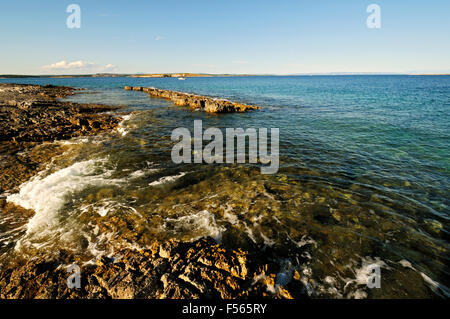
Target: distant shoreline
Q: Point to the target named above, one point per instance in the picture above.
(155, 75)
(203, 75)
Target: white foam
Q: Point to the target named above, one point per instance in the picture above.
(73, 141)
(96, 244)
(121, 128)
(126, 117)
(249, 232)
(201, 224)
(363, 275)
(437, 287)
(144, 172)
(267, 241)
(167, 179)
(231, 218)
(358, 294)
(304, 241)
(106, 206)
(47, 194)
(405, 263)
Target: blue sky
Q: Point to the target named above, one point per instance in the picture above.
(227, 36)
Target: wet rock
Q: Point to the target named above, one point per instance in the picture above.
(323, 214)
(31, 114)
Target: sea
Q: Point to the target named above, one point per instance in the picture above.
(363, 181)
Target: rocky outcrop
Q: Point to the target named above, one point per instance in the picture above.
(32, 113)
(208, 104)
(173, 269)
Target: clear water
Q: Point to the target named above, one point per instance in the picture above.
(364, 178)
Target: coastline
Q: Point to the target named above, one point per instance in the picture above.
(138, 75)
(33, 115)
(207, 75)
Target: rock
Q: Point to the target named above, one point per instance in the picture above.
(31, 113)
(208, 104)
(199, 269)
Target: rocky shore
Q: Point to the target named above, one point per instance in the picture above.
(208, 104)
(31, 115)
(173, 269)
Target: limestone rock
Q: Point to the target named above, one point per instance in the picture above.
(32, 113)
(172, 269)
(208, 104)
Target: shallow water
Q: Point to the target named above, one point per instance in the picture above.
(364, 178)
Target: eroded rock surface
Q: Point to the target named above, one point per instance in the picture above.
(172, 269)
(208, 104)
(32, 113)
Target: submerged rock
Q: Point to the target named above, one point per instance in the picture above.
(208, 104)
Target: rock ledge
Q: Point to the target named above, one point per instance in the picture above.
(208, 104)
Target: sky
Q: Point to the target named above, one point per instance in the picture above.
(226, 36)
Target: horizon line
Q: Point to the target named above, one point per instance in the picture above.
(188, 74)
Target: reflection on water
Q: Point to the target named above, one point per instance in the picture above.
(332, 209)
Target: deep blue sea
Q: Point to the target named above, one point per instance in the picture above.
(364, 179)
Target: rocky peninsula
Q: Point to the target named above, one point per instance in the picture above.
(208, 104)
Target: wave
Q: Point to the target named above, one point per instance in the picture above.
(47, 194)
(167, 179)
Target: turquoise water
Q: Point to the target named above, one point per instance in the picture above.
(364, 175)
